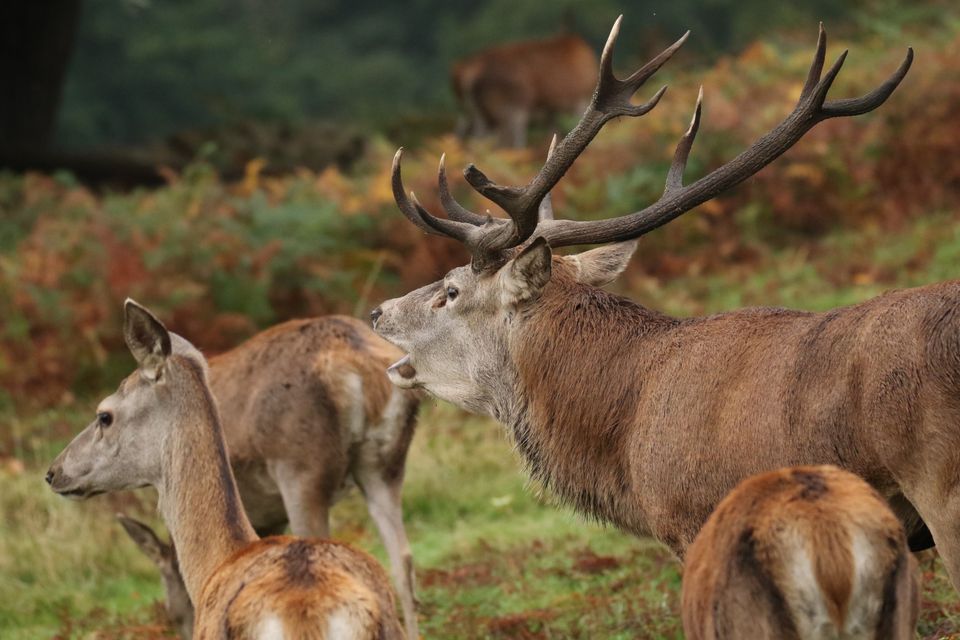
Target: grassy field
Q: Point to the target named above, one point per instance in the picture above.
(494, 559)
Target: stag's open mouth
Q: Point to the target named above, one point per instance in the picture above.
(402, 373)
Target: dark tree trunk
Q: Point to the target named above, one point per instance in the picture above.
(36, 39)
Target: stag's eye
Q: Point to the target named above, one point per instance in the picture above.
(452, 293)
(104, 418)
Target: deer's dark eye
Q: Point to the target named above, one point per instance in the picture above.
(104, 418)
(452, 293)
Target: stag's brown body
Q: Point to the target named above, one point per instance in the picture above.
(502, 87)
(800, 554)
(647, 421)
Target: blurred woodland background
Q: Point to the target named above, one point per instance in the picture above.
(227, 163)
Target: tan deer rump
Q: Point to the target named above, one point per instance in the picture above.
(311, 587)
(761, 389)
(798, 553)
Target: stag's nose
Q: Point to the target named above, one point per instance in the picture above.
(49, 476)
(375, 315)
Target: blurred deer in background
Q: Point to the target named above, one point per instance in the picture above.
(176, 599)
(647, 421)
(801, 553)
(162, 429)
(307, 411)
(501, 88)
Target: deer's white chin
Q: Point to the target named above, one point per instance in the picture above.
(402, 373)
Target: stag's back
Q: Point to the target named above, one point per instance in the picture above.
(800, 553)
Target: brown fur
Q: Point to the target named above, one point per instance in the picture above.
(503, 86)
(628, 410)
(746, 572)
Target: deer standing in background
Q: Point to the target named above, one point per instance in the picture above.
(501, 88)
(162, 429)
(800, 554)
(306, 411)
(647, 421)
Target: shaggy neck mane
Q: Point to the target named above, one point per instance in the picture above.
(577, 356)
(198, 494)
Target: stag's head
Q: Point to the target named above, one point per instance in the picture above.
(122, 447)
(457, 331)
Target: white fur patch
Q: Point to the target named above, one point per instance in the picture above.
(866, 598)
(353, 387)
(341, 625)
(270, 628)
(804, 595)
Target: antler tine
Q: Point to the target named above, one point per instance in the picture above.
(545, 211)
(611, 98)
(675, 175)
(676, 200)
(872, 100)
(453, 208)
(407, 207)
(418, 215)
(816, 67)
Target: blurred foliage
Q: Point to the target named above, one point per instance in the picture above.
(144, 69)
(219, 260)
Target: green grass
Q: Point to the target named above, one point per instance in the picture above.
(493, 559)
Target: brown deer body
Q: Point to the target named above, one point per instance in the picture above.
(647, 421)
(501, 88)
(802, 553)
(162, 429)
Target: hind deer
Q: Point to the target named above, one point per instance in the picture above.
(501, 88)
(799, 554)
(306, 411)
(162, 429)
(644, 420)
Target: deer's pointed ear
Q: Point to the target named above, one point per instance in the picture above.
(146, 337)
(602, 265)
(526, 275)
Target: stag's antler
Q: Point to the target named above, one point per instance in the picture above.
(489, 238)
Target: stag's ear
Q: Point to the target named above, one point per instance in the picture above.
(158, 551)
(147, 338)
(602, 265)
(526, 275)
